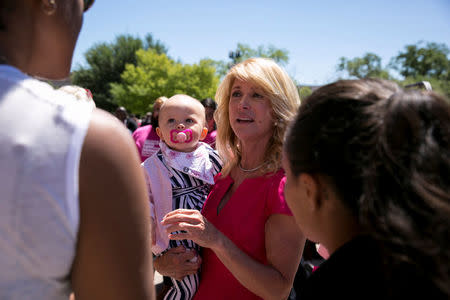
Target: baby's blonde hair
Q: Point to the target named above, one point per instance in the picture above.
(160, 100)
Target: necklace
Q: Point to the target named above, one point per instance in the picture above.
(250, 170)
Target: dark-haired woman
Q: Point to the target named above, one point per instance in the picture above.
(368, 176)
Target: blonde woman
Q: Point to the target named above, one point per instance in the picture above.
(252, 245)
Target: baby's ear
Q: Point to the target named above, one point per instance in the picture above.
(204, 133)
(158, 132)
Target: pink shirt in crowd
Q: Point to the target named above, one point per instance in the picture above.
(210, 139)
(147, 141)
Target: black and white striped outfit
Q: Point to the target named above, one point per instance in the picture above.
(188, 192)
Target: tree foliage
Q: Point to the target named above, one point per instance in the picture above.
(425, 62)
(429, 60)
(155, 75)
(304, 92)
(107, 61)
(116, 75)
(420, 62)
(368, 66)
(244, 51)
(439, 86)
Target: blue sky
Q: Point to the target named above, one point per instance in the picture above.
(315, 33)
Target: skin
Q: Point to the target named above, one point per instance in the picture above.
(182, 112)
(318, 210)
(113, 259)
(252, 121)
(251, 118)
(36, 51)
(113, 256)
(176, 263)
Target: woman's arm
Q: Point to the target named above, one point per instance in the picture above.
(284, 247)
(113, 257)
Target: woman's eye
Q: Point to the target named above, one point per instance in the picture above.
(256, 95)
(236, 94)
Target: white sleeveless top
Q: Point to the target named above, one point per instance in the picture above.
(41, 136)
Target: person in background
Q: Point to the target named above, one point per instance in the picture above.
(210, 107)
(129, 122)
(73, 204)
(251, 244)
(147, 120)
(368, 177)
(136, 119)
(145, 137)
(179, 175)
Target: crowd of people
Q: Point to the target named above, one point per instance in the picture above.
(221, 196)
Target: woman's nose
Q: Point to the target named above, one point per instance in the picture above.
(244, 103)
(180, 126)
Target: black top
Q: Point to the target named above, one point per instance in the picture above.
(356, 271)
(131, 124)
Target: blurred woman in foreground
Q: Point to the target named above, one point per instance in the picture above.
(368, 177)
(73, 206)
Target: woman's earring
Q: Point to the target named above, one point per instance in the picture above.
(49, 7)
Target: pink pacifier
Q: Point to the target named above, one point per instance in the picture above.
(181, 136)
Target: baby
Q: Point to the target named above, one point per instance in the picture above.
(179, 175)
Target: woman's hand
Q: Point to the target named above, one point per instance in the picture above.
(176, 262)
(194, 225)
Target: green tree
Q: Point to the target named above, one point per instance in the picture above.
(157, 45)
(244, 51)
(429, 60)
(421, 62)
(106, 62)
(368, 66)
(439, 86)
(424, 62)
(155, 75)
(304, 92)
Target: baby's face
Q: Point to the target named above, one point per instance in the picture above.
(182, 123)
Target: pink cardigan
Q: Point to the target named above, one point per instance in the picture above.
(159, 187)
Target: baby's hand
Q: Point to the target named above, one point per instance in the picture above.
(195, 258)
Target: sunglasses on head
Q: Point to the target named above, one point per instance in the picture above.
(87, 4)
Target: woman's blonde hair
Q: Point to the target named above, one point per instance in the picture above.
(284, 98)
